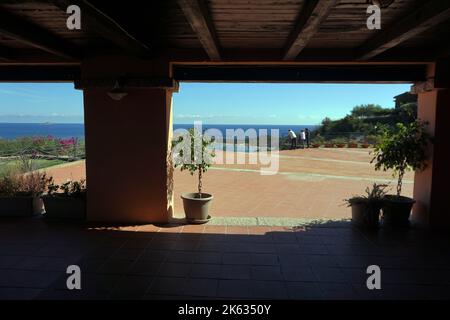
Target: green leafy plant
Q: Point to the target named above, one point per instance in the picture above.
(69, 188)
(192, 152)
(373, 195)
(402, 150)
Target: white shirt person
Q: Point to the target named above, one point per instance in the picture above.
(293, 137)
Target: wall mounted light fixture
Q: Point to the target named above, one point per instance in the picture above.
(117, 92)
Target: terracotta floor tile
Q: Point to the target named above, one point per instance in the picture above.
(167, 286)
(172, 269)
(214, 229)
(272, 273)
(235, 289)
(235, 272)
(236, 258)
(237, 230)
(212, 271)
(269, 290)
(131, 287)
(330, 263)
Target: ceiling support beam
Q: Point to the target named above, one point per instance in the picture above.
(39, 73)
(5, 54)
(308, 23)
(105, 26)
(27, 32)
(425, 17)
(196, 13)
(302, 73)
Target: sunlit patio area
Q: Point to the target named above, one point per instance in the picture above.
(310, 184)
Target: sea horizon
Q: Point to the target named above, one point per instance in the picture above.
(13, 130)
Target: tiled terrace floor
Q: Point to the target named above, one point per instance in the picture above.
(204, 262)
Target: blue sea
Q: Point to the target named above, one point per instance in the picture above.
(65, 130)
(57, 130)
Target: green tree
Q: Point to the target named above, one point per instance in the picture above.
(370, 110)
(191, 153)
(402, 149)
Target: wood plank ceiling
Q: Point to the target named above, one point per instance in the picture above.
(217, 30)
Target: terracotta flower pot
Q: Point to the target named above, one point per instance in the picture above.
(65, 208)
(16, 206)
(396, 210)
(366, 214)
(196, 208)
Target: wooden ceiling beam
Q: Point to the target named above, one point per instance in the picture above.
(33, 35)
(39, 73)
(105, 26)
(307, 25)
(302, 74)
(425, 17)
(5, 53)
(196, 13)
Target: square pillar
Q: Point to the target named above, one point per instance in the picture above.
(129, 175)
(432, 186)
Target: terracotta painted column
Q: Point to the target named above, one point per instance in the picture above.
(127, 147)
(432, 186)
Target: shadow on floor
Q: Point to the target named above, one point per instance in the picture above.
(326, 261)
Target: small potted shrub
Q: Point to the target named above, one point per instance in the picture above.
(401, 150)
(66, 201)
(339, 142)
(317, 141)
(329, 145)
(14, 200)
(192, 153)
(352, 144)
(366, 208)
(20, 194)
(365, 145)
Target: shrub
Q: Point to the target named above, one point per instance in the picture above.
(30, 184)
(402, 150)
(69, 188)
(191, 153)
(374, 195)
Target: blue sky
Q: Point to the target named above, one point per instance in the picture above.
(213, 103)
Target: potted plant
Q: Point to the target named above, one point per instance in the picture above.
(20, 194)
(317, 141)
(401, 150)
(365, 145)
(352, 144)
(329, 145)
(192, 153)
(366, 208)
(14, 201)
(66, 201)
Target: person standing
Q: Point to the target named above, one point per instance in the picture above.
(307, 137)
(293, 139)
(302, 138)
